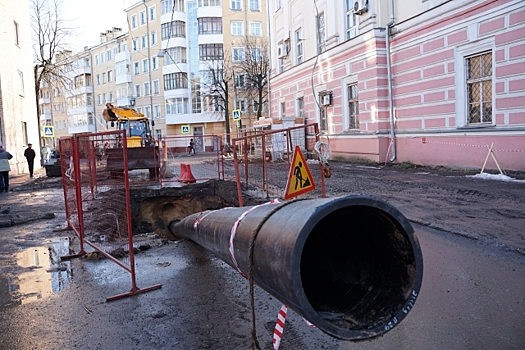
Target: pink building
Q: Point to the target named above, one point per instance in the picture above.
(445, 84)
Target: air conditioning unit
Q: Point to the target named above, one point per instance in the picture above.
(327, 100)
(282, 51)
(360, 6)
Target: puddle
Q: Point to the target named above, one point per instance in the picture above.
(43, 273)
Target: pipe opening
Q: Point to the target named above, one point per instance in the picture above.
(358, 268)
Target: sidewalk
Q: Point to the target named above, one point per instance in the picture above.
(39, 180)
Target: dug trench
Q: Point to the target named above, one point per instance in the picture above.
(152, 210)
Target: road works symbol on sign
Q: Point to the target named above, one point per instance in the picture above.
(300, 179)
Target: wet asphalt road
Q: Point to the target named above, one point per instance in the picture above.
(472, 297)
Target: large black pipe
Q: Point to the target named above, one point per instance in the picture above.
(352, 265)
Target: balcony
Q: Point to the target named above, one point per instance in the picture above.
(122, 56)
(81, 129)
(126, 101)
(209, 117)
(79, 91)
(81, 110)
(46, 115)
(123, 78)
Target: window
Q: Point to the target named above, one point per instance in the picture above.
(353, 106)
(177, 106)
(283, 109)
(133, 21)
(299, 46)
(323, 122)
(152, 13)
(175, 29)
(156, 87)
(142, 18)
(103, 78)
(144, 42)
(147, 89)
(321, 39)
(110, 76)
(256, 54)
(110, 97)
(240, 80)
(136, 68)
(99, 99)
(210, 52)
(17, 34)
(236, 28)
(147, 111)
(350, 20)
(153, 40)
(135, 44)
(121, 68)
(238, 54)
(300, 107)
(156, 111)
(175, 55)
(115, 51)
(255, 28)
(21, 89)
(167, 6)
(108, 55)
(154, 63)
(96, 60)
(175, 81)
(98, 79)
(235, 4)
(101, 58)
(254, 5)
(209, 3)
(278, 4)
(281, 65)
(145, 65)
(210, 25)
(24, 133)
(137, 90)
(256, 106)
(104, 98)
(479, 88)
(241, 104)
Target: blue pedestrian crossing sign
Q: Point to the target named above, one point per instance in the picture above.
(49, 131)
(185, 129)
(236, 114)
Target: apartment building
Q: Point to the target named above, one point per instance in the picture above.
(432, 82)
(158, 67)
(18, 114)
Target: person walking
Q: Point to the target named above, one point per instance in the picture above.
(5, 168)
(191, 147)
(30, 155)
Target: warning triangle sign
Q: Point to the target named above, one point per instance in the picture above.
(300, 179)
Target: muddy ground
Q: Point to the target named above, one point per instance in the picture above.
(489, 209)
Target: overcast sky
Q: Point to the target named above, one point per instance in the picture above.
(92, 17)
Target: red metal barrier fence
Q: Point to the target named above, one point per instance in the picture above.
(99, 211)
(203, 160)
(262, 161)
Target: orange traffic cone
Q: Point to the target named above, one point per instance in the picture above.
(185, 175)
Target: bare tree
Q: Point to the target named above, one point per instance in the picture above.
(216, 86)
(49, 39)
(255, 67)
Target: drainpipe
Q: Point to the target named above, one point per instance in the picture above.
(389, 73)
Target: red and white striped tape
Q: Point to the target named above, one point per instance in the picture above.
(279, 327)
(426, 140)
(233, 232)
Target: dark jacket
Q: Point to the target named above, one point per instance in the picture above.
(30, 154)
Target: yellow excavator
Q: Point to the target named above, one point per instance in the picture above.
(142, 152)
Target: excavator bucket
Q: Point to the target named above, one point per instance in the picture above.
(108, 114)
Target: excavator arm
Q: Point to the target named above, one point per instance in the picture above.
(112, 113)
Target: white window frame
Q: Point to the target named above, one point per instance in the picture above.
(144, 42)
(156, 86)
(152, 13)
(153, 38)
(136, 68)
(156, 112)
(145, 65)
(237, 52)
(146, 88)
(461, 76)
(154, 63)
(299, 47)
(135, 44)
(257, 7)
(137, 91)
(134, 23)
(255, 28)
(108, 55)
(235, 26)
(236, 5)
(143, 18)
